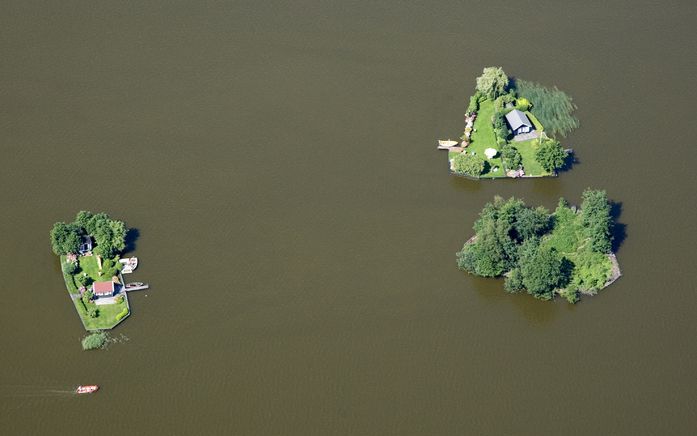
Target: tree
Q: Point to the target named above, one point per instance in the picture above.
(551, 155)
(84, 280)
(514, 281)
(597, 220)
(492, 82)
(65, 238)
(70, 267)
(468, 164)
(542, 270)
(511, 156)
(531, 222)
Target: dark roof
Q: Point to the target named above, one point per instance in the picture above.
(516, 119)
(103, 287)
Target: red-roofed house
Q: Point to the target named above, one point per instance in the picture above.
(103, 289)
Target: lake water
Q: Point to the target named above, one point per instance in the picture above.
(298, 227)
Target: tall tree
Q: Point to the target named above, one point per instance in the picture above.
(597, 220)
(551, 155)
(65, 238)
(492, 82)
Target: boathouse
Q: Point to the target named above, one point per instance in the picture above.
(518, 122)
(103, 289)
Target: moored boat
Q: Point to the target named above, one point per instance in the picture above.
(87, 389)
(445, 144)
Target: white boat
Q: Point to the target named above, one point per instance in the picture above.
(444, 144)
(129, 264)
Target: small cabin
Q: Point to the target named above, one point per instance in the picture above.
(103, 289)
(85, 245)
(518, 122)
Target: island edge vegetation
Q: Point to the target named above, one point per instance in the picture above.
(567, 252)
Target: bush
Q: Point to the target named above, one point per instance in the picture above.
(468, 164)
(511, 157)
(522, 104)
(87, 296)
(514, 282)
(122, 314)
(93, 312)
(84, 280)
(94, 341)
(473, 105)
(70, 267)
(119, 299)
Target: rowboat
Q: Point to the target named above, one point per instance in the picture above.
(444, 144)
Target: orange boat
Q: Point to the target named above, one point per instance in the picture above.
(86, 389)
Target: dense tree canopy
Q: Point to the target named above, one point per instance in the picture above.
(542, 253)
(492, 82)
(65, 238)
(109, 234)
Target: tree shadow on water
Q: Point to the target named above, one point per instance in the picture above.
(131, 237)
(619, 230)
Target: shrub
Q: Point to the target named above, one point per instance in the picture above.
(473, 105)
(119, 299)
(514, 282)
(70, 267)
(94, 341)
(84, 280)
(122, 314)
(93, 312)
(87, 296)
(522, 104)
(468, 164)
(511, 157)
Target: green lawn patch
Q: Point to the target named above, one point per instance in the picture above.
(483, 137)
(527, 150)
(108, 315)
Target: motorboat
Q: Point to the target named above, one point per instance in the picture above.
(88, 389)
(134, 284)
(129, 264)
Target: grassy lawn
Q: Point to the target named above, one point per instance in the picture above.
(484, 138)
(107, 315)
(527, 150)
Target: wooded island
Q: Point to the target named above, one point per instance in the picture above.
(567, 252)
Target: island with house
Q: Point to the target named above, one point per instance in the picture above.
(569, 252)
(90, 250)
(510, 130)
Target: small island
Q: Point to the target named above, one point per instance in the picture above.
(90, 251)
(567, 252)
(510, 129)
